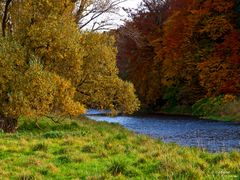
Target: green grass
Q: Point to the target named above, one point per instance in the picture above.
(84, 149)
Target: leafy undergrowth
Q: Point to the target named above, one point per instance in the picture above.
(225, 108)
(84, 149)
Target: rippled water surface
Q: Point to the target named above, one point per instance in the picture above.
(185, 131)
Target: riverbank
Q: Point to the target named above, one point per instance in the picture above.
(222, 114)
(87, 149)
(221, 108)
(186, 111)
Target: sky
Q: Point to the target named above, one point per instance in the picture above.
(117, 20)
(129, 4)
(132, 4)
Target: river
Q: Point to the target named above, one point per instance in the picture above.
(184, 130)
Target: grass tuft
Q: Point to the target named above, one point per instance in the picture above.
(40, 147)
(63, 159)
(26, 177)
(117, 167)
(88, 149)
(53, 134)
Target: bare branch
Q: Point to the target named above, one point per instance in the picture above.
(89, 13)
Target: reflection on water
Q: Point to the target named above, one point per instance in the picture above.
(185, 131)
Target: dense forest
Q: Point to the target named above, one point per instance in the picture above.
(183, 54)
(49, 66)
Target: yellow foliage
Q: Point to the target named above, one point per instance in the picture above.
(47, 29)
(100, 86)
(229, 98)
(32, 94)
(48, 59)
(38, 92)
(64, 98)
(12, 63)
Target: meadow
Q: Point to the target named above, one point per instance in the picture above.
(85, 149)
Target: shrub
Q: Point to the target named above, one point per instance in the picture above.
(207, 106)
(226, 107)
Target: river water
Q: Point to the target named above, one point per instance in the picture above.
(183, 130)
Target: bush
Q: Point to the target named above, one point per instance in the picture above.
(207, 106)
(225, 107)
(232, 110)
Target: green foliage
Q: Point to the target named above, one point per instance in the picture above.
(171, 95)
(207, 106)
(222, 107)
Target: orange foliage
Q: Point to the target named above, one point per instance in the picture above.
(196, 47)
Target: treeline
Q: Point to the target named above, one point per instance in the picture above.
(49, 66)
(182, 52)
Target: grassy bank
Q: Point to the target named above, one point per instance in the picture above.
(217, 115)
(221, 108)
(84, 149)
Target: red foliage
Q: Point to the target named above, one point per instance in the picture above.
(184, 44)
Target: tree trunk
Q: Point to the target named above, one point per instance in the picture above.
(8, 125)
(5, 16)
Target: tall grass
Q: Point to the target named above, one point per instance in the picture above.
(84, 149)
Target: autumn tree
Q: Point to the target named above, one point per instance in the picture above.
(179, 54)
(186, 51)
(100, 86)
(136, 57)
(53, 36)
(27, 89)
(219, 72)
(47, 64)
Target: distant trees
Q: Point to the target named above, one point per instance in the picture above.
(136, 57)
(48, 66)
(179, 51)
